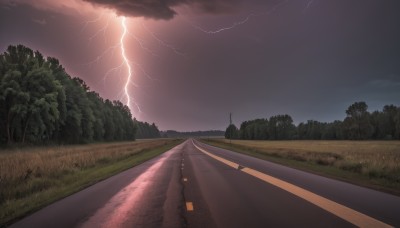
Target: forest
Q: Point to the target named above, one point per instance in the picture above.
(359, 124)
(40, 103)
(190, 134)
(146, 130)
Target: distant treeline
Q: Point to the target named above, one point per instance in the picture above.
(41, 103)
(359, 124)
(176, 134)
(146, 130)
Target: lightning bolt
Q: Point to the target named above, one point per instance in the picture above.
(163, 43)
(124, 94)
(102, 30)
(92, 21)
(131, 67)
(235, 24)
(126, 61)
(241, 22)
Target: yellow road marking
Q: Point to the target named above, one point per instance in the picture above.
(348, 214)
(226, 162)
(189, 206)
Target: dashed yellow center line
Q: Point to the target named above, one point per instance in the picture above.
(357, 218)
(189, 206)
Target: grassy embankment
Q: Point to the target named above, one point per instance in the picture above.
(31, 178)
(374, 164)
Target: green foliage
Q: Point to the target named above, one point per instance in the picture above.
(278, 127)
(254, 129)
(146, 130)
(281, 127)
(232, 132)
(358, 125)
(41, 103)
(28, 96)
(191, 134)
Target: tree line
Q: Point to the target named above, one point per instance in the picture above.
(359, 124)
(189, 134)
(146, 130)
(41, 103)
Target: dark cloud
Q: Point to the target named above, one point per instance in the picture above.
(163, 9)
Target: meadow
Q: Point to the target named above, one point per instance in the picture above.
(31, 178)
(374, 164)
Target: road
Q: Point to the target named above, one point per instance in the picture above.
(197, 185)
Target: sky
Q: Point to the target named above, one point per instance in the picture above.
(195, 61)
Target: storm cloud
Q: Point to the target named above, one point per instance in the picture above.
(163, 9)
(152, 9)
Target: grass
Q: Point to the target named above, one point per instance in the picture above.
(31, 178)
(373, 164)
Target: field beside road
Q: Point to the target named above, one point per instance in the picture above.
(375, 164)
(31, 178)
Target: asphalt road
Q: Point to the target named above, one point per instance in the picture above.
(196, 185)
(148, 195)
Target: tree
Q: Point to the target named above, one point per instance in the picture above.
(231, 132)
(41, 107)
(40, 102)
(97, 106)
(281, 127)
(28, 95)
(333, 130)
(146, 130)
(311, 130)
(242, 131)
(389, 121)
(357, 122)
(397, 124)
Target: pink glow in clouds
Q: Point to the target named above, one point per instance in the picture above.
(60, 6)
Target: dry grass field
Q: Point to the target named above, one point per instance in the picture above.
(371, 163)
(31, 178)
